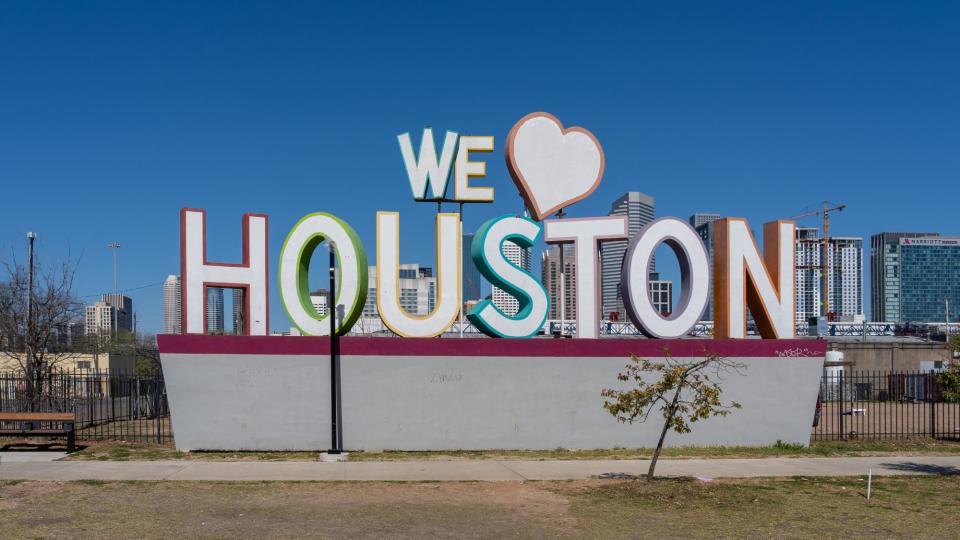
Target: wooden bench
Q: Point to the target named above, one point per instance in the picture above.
(29, 425)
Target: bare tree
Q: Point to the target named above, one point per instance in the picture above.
(684, 393)
(40, 345)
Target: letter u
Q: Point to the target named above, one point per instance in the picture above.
(447, 291)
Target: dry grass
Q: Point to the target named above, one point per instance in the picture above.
(914, 507)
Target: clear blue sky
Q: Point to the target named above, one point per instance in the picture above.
(113, 116)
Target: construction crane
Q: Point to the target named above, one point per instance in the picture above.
(824, 212)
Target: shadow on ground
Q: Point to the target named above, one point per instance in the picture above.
(923, 468)
(37, 447)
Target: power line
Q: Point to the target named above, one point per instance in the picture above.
(125, 290)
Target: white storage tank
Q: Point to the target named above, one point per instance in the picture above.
(834, 356)
(832, 376)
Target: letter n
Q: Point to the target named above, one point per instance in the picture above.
(198, 274)
(742, 279)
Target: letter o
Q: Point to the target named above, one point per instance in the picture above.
(694, 278)
(295, 255)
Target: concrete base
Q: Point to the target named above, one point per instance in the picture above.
(327, 457)
(243, 393)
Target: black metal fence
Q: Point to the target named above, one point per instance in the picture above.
(109, 405)
(884, 405)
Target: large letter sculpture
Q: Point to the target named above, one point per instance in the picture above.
(694, 278)
(198, 274)
(741, 277)
(448, 277)
(429, 169)
(295, 256)
(487, 254)
(586, 235)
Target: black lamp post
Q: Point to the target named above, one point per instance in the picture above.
(336, 414)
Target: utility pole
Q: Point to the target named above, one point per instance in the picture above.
(114, 246)
(28, 342)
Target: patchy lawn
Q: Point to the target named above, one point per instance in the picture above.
(914, 507)
(118, 451)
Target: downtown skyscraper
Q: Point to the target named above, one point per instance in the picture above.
(214, 310)
(885, 273)
(417, 294)
(845, 276)
(112, 314)
(550, 277)
(929, 279)
(702, 218)
(638, 208)
(519, 257)
(172, 311)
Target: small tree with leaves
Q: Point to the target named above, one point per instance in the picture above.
(684, 393)
(949, 379)
(142, 347)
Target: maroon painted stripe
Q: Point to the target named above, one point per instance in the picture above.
(384, 346)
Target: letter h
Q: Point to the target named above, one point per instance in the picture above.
(197, 274)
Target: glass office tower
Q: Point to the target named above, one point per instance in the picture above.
(929, 279)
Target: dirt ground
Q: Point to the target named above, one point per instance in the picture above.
(879, 419)
(915, 507)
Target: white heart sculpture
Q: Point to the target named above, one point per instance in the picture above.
(553, 167)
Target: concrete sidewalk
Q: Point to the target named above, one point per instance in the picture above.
(467, 470)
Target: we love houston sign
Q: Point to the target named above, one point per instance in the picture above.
(553, 168)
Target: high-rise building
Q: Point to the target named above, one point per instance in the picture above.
(470, 272)
(214, 310)
(705, 230)
(702, 218)
(100, 319)
(661, 294)
(845, 276)
(319, 300)
(638, 208)
(113, 313)
(124, 305)
(550, 277)
(418, 290)
(64, 337)
(929, 279)
(519, 257)
(885, 274)
(239, 309)
(171, 305)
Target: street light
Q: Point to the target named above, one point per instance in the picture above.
(114, 246)
(31, 367)
(336, 417)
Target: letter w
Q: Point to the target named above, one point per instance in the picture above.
(428, 169)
